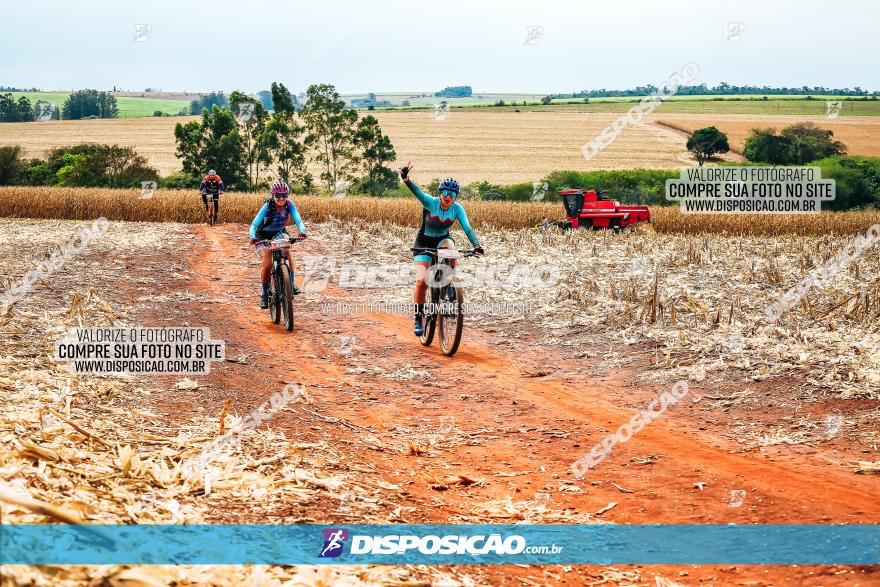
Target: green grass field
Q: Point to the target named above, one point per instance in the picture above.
(770, 107)
(129, 107)
(135, 106)
(427, 99)
(725, 104)
(793, 105)
(731, 97)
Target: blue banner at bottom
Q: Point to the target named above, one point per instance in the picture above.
(463, 544)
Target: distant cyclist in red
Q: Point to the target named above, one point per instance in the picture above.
(212, 185)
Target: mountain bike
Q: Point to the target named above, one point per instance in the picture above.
(209, 203)
(281, 282)
(444, 311)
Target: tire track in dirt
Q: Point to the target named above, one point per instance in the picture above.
(518, 434)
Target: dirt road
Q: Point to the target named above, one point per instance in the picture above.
(495, 429)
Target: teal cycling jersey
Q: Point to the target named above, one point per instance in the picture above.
(272, 218)
(436, 222)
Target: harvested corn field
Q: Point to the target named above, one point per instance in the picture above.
(592, 350)
(501, 147)
(393, 432)
(861, 135)
(152, 137)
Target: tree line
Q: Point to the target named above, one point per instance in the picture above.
(721, 89)
(85, 165)
(454, 92)
(80, 104)
(797, 144)
(207, 101)
(857, 178)
(245, 142)
(248, 145)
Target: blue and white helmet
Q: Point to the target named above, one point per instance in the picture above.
(449, 184)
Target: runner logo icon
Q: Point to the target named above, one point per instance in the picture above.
(334, 541)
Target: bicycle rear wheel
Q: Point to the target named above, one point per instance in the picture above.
(275, 289)
(287, 297)
(429, 319)
(450, 318)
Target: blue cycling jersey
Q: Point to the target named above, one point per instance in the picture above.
(437, 221)
(273, 218)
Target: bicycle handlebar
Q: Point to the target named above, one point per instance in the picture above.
(268, 242)
(470, 253)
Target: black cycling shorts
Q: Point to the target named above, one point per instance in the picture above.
(428, 242)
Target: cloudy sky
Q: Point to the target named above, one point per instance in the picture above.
(407, 46)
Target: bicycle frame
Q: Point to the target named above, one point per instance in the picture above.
(446, 303)
(443, 256)
(210, 206)
(281, 281)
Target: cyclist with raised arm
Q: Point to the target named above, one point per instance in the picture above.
(439, 214)
(211, 186)
(270, 222)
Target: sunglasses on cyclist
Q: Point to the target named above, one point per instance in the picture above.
(279, 196)
(448, 193)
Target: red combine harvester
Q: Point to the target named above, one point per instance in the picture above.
(587, 209)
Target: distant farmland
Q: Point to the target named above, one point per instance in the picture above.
(781, 106)
(137, 104)
(861, 135)
(729, 104)
(471, 144)
(498, 145)
(129, 106)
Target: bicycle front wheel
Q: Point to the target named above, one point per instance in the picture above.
(275, 289)
(429, 318)
(287, 297)
(450, 318)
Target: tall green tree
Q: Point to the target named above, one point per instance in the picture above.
(15, 111)
(208, 101)
(25, 109)
(763, 145)
(93, 165)
(10, 164)
(252, 118)
(213, 142)
(857, 181)
(375, 150)
(282, 100)
(707, 142)
(83, 103)
(8, 111)
(330, 128)
(125, 167)
(796, 145)
(283, 139)
(810, 143)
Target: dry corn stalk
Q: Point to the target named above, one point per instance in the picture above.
(226, 405)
